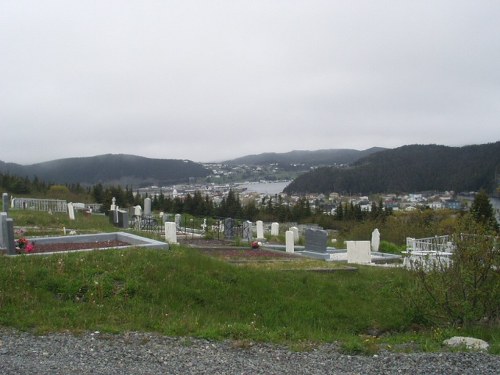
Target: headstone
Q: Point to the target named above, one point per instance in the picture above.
(247, 231)
(122, 221)
(138, 210)
(113, 204)
(178, 220)
(170, 232)
(204, 225)
(229, 228)
(260, 229)
(11, 242)
(71, 211)
(275, 229)
(6, 202)
(3, 230)
(295, 231)
(289, 241)
(375, 240)
(147, 207)
(316, 240)
(359, 252)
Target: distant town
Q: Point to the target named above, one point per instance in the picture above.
(258, 183)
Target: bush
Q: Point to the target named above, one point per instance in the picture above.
(466, 291)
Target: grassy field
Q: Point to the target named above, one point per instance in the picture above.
(182, 292)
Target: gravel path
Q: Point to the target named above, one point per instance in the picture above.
(139, 353)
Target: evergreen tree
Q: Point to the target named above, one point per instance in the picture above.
(482, 210)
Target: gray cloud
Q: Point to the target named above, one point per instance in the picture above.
(214, 80)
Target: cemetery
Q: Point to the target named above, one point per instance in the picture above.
(249, 289)
(172, 230)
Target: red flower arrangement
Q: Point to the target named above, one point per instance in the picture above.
(24, 245)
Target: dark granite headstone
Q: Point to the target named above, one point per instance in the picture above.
(247, 231)
(316, 240)
(11, 241)
(229, 228)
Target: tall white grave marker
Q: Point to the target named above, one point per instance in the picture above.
(147, 207)
(71, 211)
(295, 231)
(170, 232)
(375, 240)
(275, 229)
(289, 240)
(260, 229)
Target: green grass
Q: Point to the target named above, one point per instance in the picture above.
(183, 293)
(37, 223)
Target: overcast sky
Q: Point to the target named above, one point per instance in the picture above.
(213, 80)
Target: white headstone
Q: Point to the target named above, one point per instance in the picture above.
(295, 231)
(260, 229)
(113, 204)
(289, 240)
(375, 240)
(71, 211)
(275, 229)
(147, 207)
(170, 232)
(137, 210)
(359, 252)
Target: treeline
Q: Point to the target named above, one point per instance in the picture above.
(408, 169)
(198, 204)
(24, 185)
(269, 209)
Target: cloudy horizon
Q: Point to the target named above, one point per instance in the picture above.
(217, 80)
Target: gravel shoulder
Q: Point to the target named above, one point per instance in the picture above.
(143, 353)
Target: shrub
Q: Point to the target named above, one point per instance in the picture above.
(465, 291)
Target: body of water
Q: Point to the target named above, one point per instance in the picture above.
(270, 188)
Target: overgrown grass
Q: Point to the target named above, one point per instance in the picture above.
(183, 293)
(40, 223)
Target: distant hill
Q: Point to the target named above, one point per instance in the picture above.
(408, 169)
(306, 158)
(110, 169)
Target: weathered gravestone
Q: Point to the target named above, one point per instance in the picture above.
(316, 240)
(3, 230)
(295, 231)
(5, 201)
(170, 232)
(247, 231)
(147, 207)
(229, 228)
(375, 243)
(359, 252)
(178, 220)
(71, 211)
(10, 240)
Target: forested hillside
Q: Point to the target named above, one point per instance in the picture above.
(307, 158)
(408, 169)
(110, 169)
